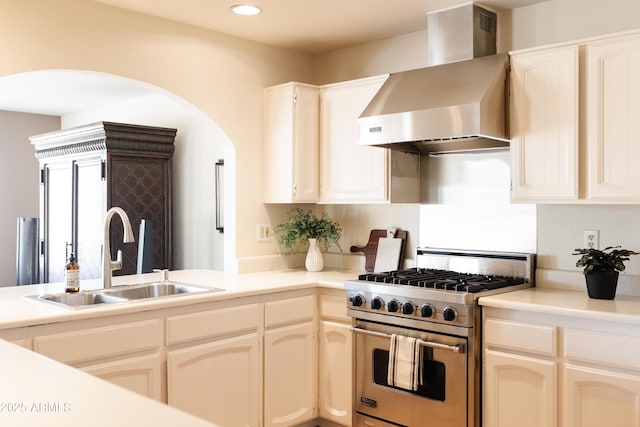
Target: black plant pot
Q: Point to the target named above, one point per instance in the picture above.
(601, 285)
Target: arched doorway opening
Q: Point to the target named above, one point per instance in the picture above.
(81, 97)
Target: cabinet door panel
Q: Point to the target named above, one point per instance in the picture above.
(544, 125)
(290, 389)
(91, 208)
(56, 231)
(141, 374)
(218, 381)
(597, 398)
(335, 372)
(519, 391)
(305, 166)
(141, 187)
(350, 172)
(613, 108)
(291, 143)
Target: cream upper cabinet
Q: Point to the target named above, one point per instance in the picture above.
(350, 172)
(574, 121)
(291, 143)
(312, 152)
(613, 125)
(544, 124)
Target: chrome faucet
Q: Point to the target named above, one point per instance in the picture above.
(107, 264)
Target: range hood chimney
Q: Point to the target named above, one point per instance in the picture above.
(457, 103)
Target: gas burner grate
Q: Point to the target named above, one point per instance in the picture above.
(442, 279)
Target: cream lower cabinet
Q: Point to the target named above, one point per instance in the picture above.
(219, 380)
(248, 362)
(520, 374)
(290, 362)
(522, 391)
(601, 378)
(543, 370)
(126, 354)
(596, 397)
(335, 380)
(17, 336)
(139, 374)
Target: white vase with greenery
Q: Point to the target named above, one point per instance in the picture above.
(303, 228)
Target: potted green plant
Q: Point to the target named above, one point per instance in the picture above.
(601, 269)
(303, 228)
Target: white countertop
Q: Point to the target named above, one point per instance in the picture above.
(37, 391)
(17, 309)
(623, 308)
(40, 391)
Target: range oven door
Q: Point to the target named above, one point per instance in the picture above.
(440, 401)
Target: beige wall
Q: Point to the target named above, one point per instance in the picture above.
(222, 76)
(557, 21)
(19, 185)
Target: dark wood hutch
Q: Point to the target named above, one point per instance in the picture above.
(84, 171)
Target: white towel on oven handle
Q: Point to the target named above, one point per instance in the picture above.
(405, 362)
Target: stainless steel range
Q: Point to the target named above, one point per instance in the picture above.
(435, 303)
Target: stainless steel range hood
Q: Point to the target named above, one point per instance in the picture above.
(456, 106)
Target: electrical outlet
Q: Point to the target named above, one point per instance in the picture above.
(591, 239)
(264, 232)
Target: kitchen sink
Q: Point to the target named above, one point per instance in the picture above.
(123, 294)
(81, 298)
(156, 290)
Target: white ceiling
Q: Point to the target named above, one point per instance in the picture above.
(310, 26)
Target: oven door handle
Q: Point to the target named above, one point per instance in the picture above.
(459, 348)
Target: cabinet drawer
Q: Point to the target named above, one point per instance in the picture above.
(293, 310)
(536, 339)
(334, 307)
(96, 343)
(609, 349)
(213, 323)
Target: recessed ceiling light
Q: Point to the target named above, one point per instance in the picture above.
(245, 9)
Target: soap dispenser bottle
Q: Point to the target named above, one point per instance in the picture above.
(72, 274)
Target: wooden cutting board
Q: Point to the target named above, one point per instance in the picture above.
(371, 248)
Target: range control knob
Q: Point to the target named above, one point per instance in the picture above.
(393, 306)
(357, 301)
(427, 310)
(449, 314)
(408, 308)
(377, 303)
